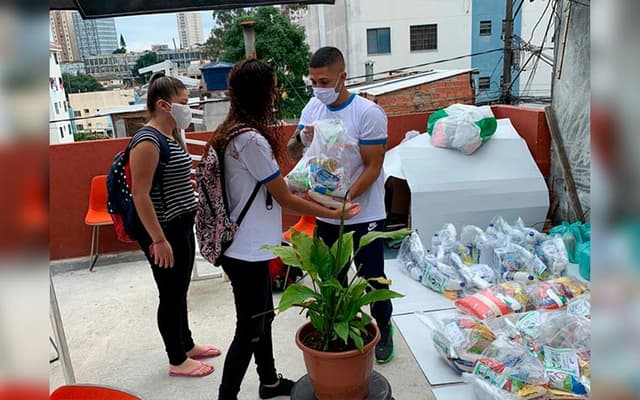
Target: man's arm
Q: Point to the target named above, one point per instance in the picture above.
(295, 147)
(372, 159)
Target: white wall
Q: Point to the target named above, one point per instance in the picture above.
(57, 98)
(540, 84)
(346, 28)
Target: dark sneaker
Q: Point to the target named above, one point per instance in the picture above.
(384, 348)
(283, 389)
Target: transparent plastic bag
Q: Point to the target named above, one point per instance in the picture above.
(554, 255)
(495, 301)
(471, 237)
(327, 165)
(580, 306)
(411, 256)
(484, 390)
(441, 277)
(460, 339)
(510, 366)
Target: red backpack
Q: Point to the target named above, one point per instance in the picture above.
(214, 228)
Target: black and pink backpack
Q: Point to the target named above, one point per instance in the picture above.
(214, 228)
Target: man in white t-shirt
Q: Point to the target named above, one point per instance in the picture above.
(367, 123)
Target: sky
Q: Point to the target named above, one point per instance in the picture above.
(140, 32)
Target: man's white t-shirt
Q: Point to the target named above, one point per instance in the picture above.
(248, 160)
(367, 123)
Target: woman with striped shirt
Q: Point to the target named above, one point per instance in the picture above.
(166, 206)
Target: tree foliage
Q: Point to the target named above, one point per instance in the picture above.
(222, 20)
(81, 83)
(148, 58)
(280, 43)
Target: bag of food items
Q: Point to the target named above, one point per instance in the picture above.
(326, 170)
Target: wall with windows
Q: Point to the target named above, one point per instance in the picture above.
(60, 130)
(409, 33)
(486, 35)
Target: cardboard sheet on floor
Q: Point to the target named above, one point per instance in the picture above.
(416, 296)
(418, 338)
(454, 392)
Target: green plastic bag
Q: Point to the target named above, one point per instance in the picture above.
(584, 260)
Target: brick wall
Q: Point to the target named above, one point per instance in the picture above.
(427, 97)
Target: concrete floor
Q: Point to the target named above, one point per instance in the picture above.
(110, 320)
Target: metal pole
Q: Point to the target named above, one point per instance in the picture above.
(249, 39)
(59, 336)
(508, 34)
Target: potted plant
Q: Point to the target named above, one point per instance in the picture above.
(338, 342)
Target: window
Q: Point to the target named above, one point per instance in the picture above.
(80, 127)
(55, 105)
(55, 57)
(66, 108)
(86, 111)
(77, 114)
(61, 132)
(424, 37)
(89, 124)
(379, 41)
(485, 28)
(485, 83)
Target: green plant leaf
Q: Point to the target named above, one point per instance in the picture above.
(342, 330)
(346, 251)
(378, 295)
(357, 339)
(287, 254)
(322, 258)
(303, 245)
(295, 295)
(393, 235)
(331, 283)
(317, 320)
(365, 318)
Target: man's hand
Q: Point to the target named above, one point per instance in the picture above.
(306, 135)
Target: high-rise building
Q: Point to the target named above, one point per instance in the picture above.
(60, 129)
(64, 35)
(95, 36)
(190, 29)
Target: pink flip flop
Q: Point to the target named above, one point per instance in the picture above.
(194, 373)
(208, 352)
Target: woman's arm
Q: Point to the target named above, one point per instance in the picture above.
(144, 159)
(279, 190)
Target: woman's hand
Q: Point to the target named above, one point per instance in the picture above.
(350, 211)
(162, 254)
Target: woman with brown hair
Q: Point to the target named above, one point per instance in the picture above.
(249, 157)
(166, 205)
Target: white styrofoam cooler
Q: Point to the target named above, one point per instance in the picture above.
(501, 178)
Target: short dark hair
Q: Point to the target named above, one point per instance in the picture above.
(326, 57)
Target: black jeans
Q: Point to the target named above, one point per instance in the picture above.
(251, 284)
(369, 260)
(173, 285)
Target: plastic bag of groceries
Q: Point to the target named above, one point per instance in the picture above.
(411, 256)
(460, 339)
(463, 127)
(326, 169)
(565, 348)
(512, 368)
(497, 300)
(555, 293)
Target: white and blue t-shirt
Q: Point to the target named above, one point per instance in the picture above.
(249, 159)
(366, 122)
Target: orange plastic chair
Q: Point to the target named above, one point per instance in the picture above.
(92, 392)
(306, 224)
(97, 214)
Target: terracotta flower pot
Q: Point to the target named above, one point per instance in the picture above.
(339, 376)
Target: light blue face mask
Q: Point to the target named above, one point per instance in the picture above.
(326, 95)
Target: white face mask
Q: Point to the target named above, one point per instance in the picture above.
(182, 114)
(327, 95)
